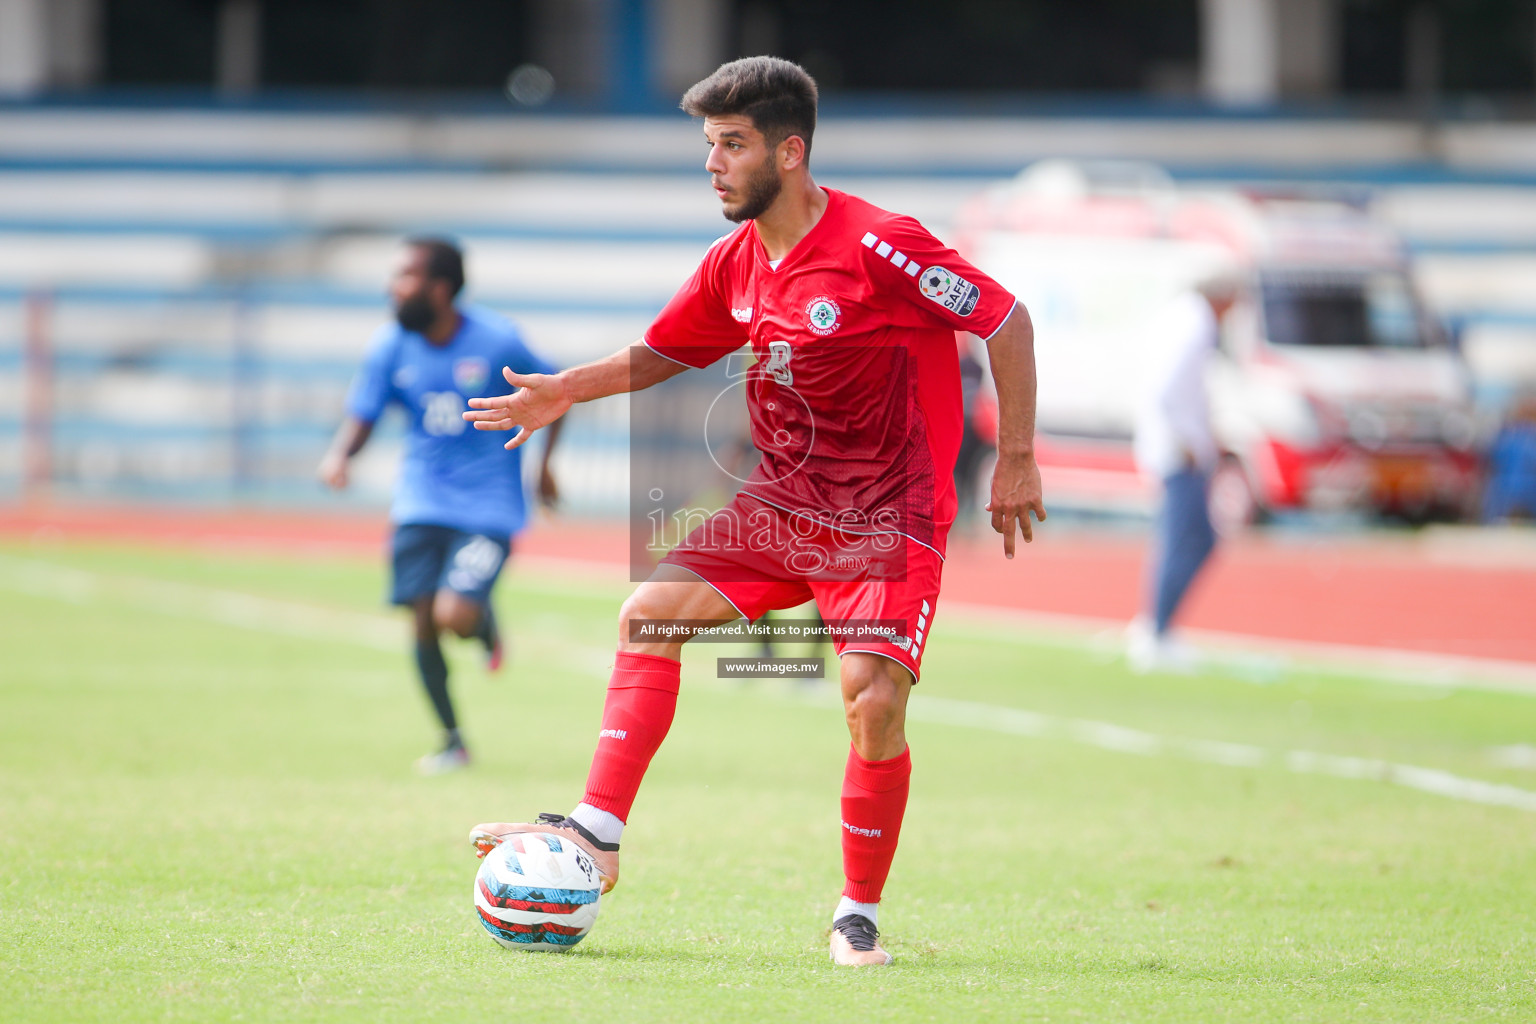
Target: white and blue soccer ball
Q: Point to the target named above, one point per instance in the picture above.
(537, 891)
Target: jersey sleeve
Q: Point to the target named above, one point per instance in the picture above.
(903, 260)
(696, 327)
(372, 385)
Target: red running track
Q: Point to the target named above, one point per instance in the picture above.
(1462, 593)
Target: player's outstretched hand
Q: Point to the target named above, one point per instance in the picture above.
(333, 471)
(539, 400)
(1015, 494)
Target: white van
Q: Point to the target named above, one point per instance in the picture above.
(1334, 388)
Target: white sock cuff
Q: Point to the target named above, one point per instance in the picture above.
(603, 824)
(846, 906)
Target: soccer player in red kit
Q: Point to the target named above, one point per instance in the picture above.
(855, 406)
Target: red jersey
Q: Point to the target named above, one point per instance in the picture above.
(855, 395)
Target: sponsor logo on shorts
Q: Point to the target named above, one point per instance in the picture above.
(872, 833)
(741, 316)
(823, 315)
(470, 374)
(949, 290)
(894, 638)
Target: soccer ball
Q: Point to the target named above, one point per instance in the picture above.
(537, 891)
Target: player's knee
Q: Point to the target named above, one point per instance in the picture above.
(643, 606)
(874, 698)
(452, 612)
(632, 610)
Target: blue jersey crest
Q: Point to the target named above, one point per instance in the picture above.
(470, 375)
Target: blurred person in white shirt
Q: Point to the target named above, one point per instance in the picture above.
(1174, 446)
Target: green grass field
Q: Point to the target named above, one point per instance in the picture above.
(208, 812)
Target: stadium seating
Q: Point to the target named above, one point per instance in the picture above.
(182, 266)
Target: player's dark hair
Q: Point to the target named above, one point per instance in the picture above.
(779, 97)
(445, 261)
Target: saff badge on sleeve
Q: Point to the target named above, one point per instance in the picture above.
(949, 290)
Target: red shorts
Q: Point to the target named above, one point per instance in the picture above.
(760, 558)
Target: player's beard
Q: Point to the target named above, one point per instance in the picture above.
(415, 313)
(761, 189)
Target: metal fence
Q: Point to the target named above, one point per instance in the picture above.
(217, 394)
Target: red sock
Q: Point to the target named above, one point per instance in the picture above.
(642, 696)
(874, 799)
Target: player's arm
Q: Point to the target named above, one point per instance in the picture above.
(1016, 479)
(542, 398)
(549, 490)
(696, 323)
(349, 440)
(367, 396)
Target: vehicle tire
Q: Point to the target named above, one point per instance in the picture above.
(1231, 501)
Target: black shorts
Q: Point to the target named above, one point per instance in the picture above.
(427, 559)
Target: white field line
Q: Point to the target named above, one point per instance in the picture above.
(378, 632)
(208, 604)
(1118, 738)
(1258, 658)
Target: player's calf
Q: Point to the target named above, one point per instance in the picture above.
(875, 692)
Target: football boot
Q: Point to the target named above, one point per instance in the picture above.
(605, 856)
(856, 943)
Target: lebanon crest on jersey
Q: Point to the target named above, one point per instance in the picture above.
(823, 315)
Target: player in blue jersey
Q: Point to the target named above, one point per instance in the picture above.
(459, 500)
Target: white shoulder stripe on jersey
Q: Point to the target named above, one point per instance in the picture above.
(911, 268)
(898, 259)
